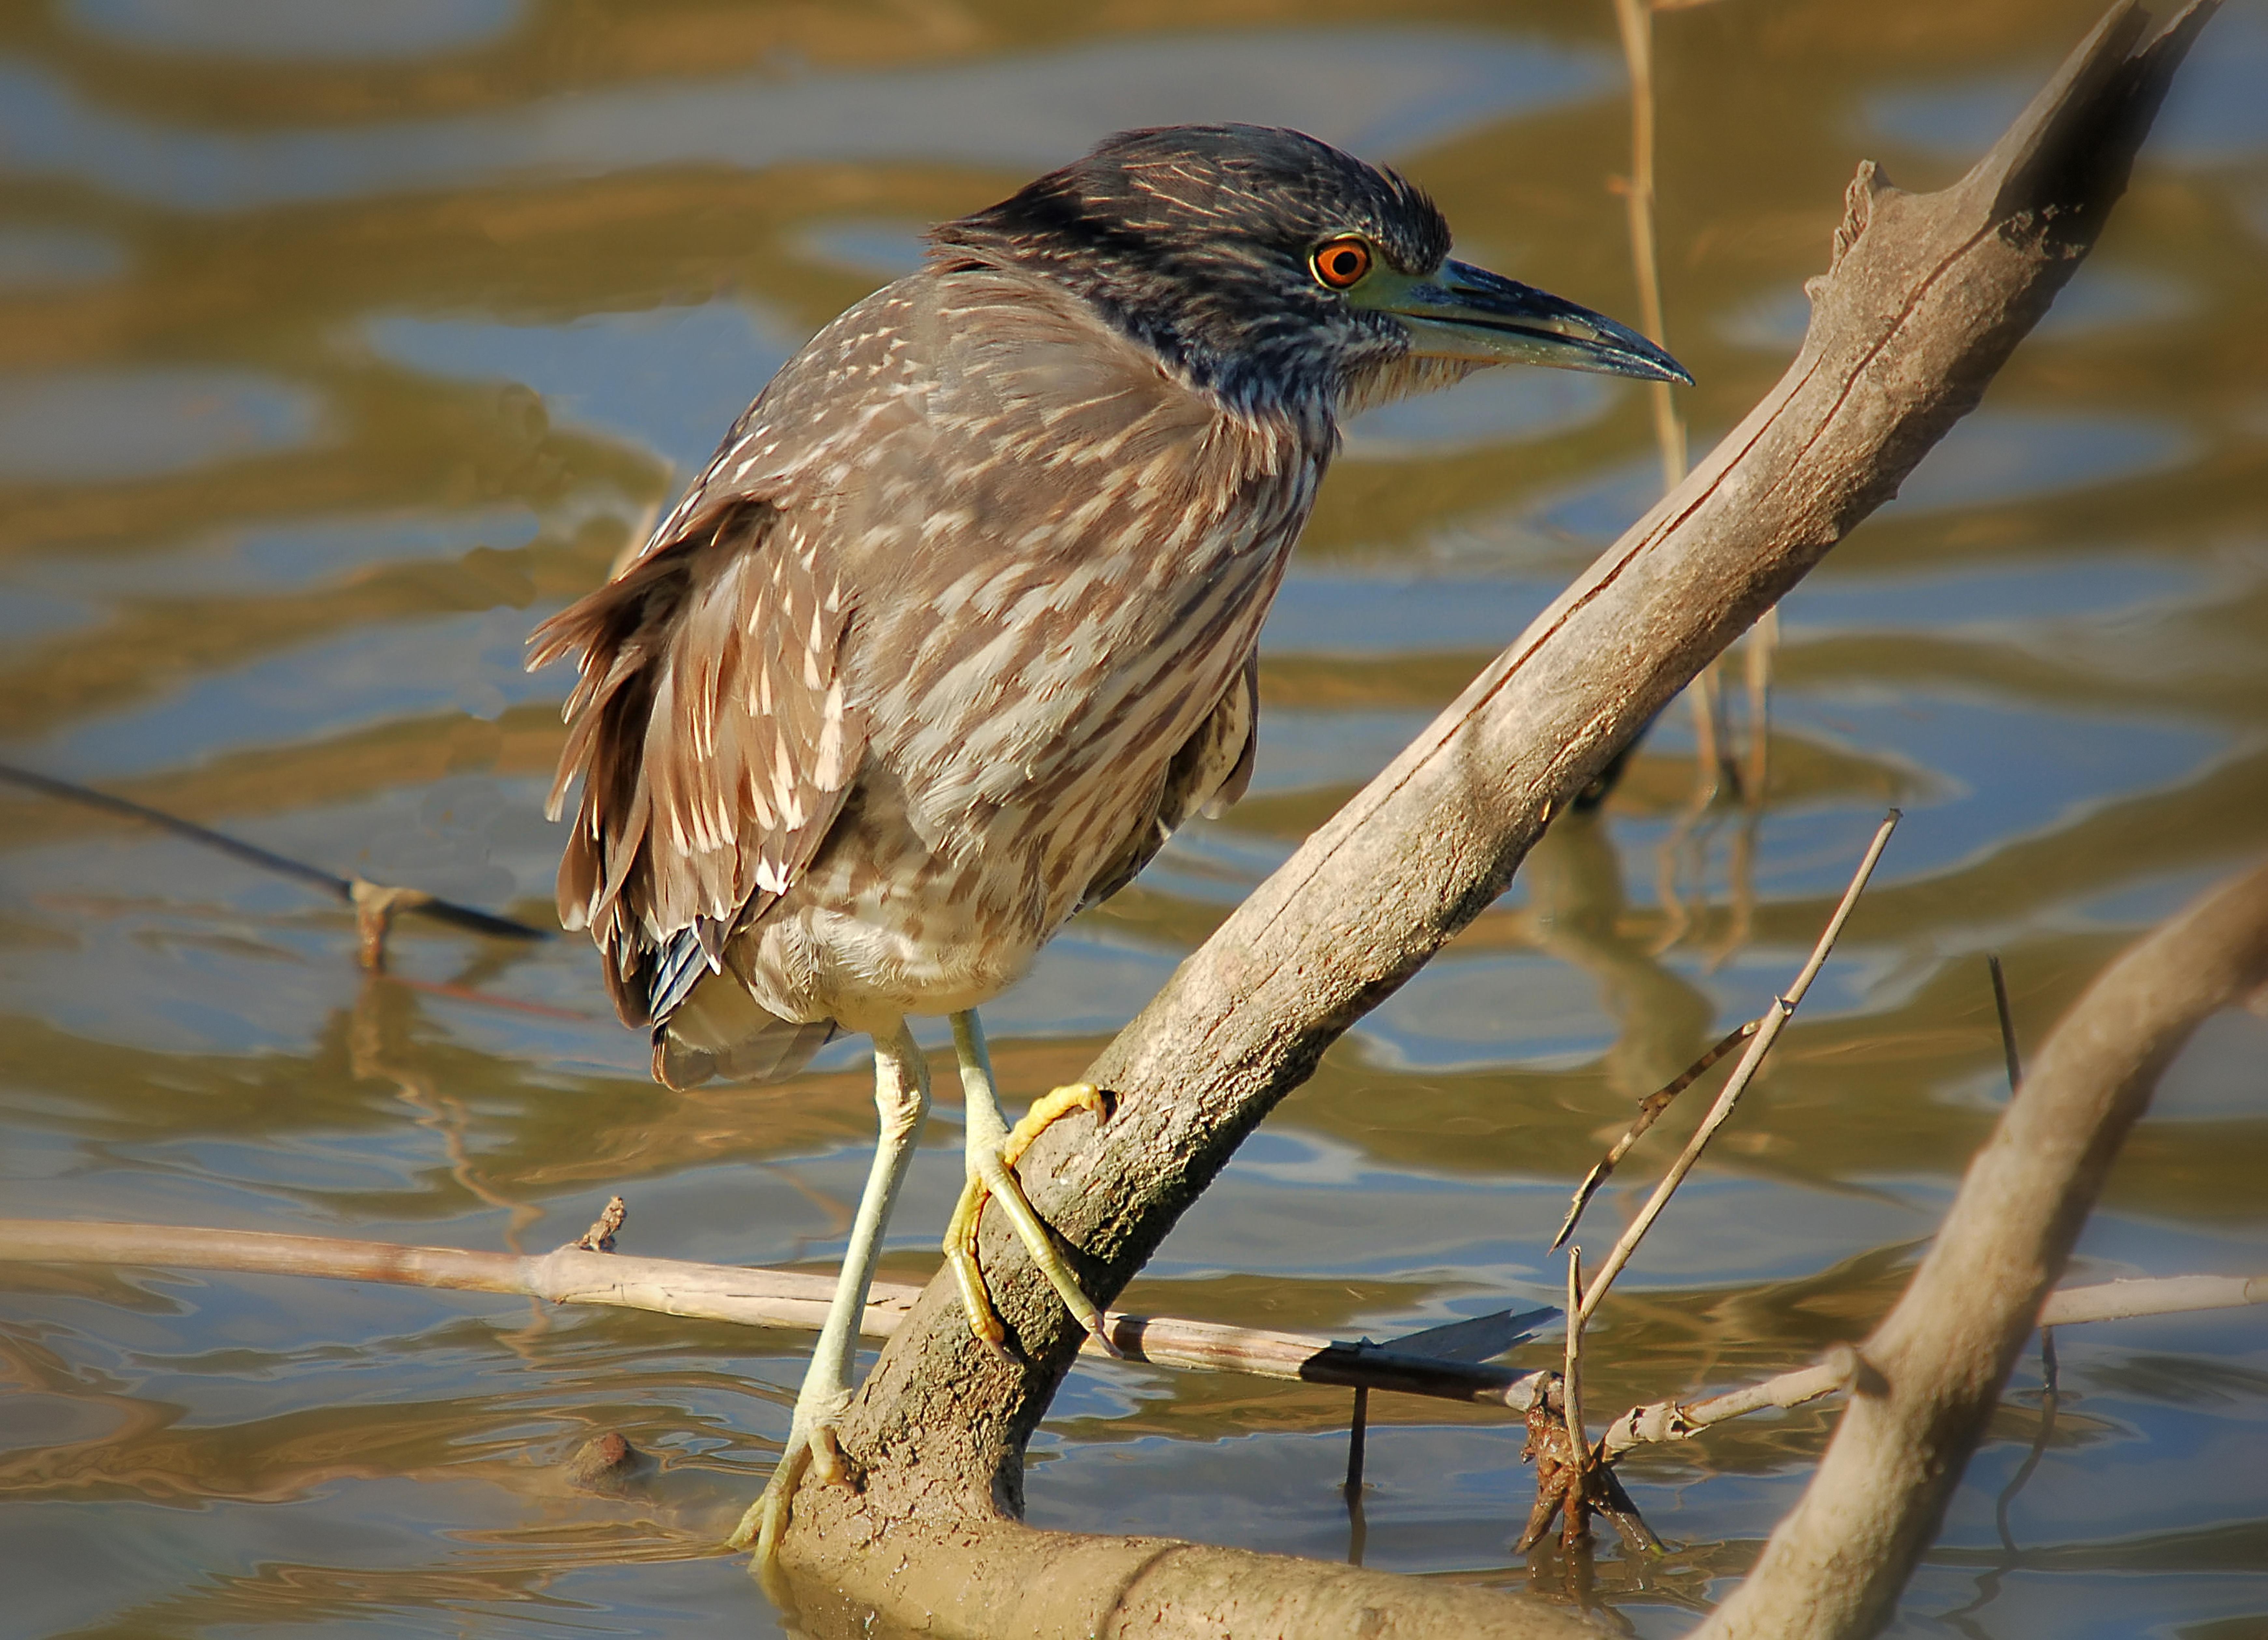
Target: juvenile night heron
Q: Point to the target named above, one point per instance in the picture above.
(959, 624)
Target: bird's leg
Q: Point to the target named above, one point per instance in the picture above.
(902, 1098)
(993, 1151)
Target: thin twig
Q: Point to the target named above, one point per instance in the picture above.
(1783, 1008)
(381, 900)
(1358, 1427)
(1677, 1420)
(1649, 1112)
(2008, 1022)
(1576, 1524)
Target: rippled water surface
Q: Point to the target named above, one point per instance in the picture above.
(339, 343)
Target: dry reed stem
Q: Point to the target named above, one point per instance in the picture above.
(1649, 1112)
(1777, 1016)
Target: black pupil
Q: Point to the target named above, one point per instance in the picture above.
(1343, 263)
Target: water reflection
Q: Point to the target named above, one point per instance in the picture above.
(297, 30)
(1999, 456)
(672, 378)
(1496, 406)
(32, 257)
(2212, 116)
(881, 248)
(2102, 299)
(86, 425)
(1381, 91)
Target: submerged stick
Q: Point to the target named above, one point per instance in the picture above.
(2008, 1022)
(1783, 1008)
(373, 903)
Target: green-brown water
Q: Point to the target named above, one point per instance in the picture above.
(340, 342)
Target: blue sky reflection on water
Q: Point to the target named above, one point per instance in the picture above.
(673, 379)
(89, 425)
(1382, 90)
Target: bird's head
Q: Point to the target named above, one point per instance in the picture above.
(1272, 268)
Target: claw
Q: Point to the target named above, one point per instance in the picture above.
(820, 1455)
(768, 1515)
(999, 1179)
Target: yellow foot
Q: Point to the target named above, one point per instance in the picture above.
(821, 1455)
(989, 1177)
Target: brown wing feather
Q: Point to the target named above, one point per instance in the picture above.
(1207, 774)
(710, 732)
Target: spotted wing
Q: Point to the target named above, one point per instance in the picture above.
(1207, 774)
(713, 741)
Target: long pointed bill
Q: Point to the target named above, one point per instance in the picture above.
(1470, 314)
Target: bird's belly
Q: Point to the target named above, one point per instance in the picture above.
(883, 925)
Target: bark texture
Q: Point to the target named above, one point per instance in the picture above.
(986, 1580)
(1932, 1373)
(1926, 297)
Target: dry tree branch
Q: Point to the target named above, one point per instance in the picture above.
(575, 1274)
(1927, 297)
(1931, 1374)
(755, 1297)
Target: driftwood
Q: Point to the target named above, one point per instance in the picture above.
(751, 1296)
(738, 1294)
(1925, 297)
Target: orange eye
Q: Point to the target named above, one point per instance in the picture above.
(1342, 262)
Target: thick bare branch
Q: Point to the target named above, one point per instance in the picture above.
(1927, 297)
(1929, 1377)
(975, 1580)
